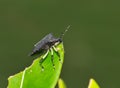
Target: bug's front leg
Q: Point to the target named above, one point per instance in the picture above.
(52, 57)
(43, 59)
(56, 50)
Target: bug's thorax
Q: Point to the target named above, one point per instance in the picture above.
(48, 42)
(54, 41)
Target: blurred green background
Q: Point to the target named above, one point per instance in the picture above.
(92, 45)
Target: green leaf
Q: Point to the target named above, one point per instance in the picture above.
(93, 84)
(61, 84)
(34, 77)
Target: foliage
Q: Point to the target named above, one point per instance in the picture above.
(34, 77)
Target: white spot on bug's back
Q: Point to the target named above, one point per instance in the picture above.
(37, 43)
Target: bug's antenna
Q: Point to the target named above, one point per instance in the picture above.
(61, 36)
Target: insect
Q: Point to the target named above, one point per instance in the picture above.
(48, 43)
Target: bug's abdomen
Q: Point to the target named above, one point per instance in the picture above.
(35, 51)
(39, 49)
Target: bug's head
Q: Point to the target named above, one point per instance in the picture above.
(54, 41)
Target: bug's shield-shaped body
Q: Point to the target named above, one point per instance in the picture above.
(46, 43)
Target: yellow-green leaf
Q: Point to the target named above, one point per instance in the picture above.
(61, 83)
(34, 77)
(93, 84)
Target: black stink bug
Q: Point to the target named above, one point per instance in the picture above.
(47, 44)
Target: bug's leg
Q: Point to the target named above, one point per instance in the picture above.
(43, 59)
(52, 58)
(56, 50)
